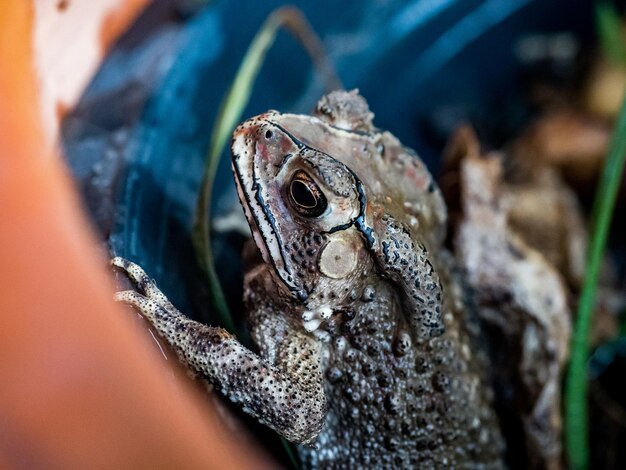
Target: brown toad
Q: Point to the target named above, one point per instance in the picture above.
(366, 354)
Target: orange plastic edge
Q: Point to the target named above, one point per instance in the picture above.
(80, 386)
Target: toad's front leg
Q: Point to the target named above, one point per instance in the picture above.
(293, 405)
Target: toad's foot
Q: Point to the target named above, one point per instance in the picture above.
(151, 301)
(286, 395)
(189, 339)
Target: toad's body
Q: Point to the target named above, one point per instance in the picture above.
(393, 400)
(366, 354)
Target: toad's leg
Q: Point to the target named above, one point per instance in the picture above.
(405, 261)
(292, 404)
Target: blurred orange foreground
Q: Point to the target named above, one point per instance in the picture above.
(80, 386)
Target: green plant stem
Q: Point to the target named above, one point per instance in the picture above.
(610, 32)
(576, 425)
(229, 115)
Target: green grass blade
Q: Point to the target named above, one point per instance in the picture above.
(576, 424)
(290, 453)
(229, 115)
(230, 112)
(610, 32)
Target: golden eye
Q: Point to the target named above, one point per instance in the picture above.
(305, 196)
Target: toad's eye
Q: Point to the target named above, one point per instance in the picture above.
(305, 196)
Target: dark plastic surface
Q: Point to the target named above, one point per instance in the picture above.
(138, 139)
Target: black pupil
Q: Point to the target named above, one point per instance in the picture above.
(302, 194)
(268, 134)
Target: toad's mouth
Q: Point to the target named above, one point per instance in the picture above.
(263, 224)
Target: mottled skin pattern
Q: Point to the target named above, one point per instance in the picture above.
(281, 386)
(365, 348)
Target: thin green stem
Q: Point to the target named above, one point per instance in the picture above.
(576, 425)
(230, 111)
(610, 31)
(229, 115)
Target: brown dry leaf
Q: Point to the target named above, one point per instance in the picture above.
(521, 297)
(567, 140)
